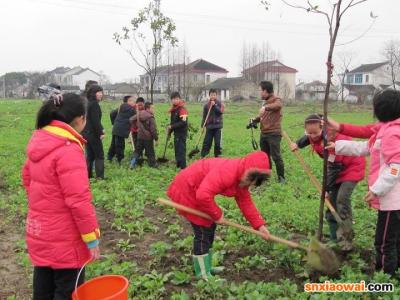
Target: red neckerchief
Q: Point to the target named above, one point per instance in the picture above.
(175, 107)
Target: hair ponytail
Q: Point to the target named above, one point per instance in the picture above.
(66, 109)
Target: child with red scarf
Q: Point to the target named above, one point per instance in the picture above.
(179, 126)
(344, 172)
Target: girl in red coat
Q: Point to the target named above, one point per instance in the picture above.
(196, 187)
(343, 174)
(61, 228)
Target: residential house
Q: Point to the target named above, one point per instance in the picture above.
(315, 91)
(235, 88)
(76, 76)
(189, 79)
(364, 81)
(282, 76)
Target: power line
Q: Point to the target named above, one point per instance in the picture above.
(229, 26)
(95, 4)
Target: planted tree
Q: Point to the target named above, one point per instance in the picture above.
(149, 32)
(333, 16)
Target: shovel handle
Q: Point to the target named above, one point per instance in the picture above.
(230, 223)
(313, 179)
(203, 126)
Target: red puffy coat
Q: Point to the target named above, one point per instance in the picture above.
(60, 210)
(353, 167)
(197, 185)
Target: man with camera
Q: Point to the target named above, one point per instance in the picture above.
(270, 118)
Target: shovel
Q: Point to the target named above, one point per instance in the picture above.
(314, 180)
(319, 257)
(196, 149)
(163, 159)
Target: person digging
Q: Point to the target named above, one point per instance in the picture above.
(196, 187)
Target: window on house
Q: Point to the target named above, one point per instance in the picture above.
(366, 78)
(350, 79)
(358, 78)
(208, 78)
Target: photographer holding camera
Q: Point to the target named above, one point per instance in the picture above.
(270, 118)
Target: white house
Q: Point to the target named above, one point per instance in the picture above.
(76, 76)
(315, 91)
(234, 88)
(362, 82)
(194, 75)
(282, 76)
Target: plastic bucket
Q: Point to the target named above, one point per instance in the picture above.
(107, 287)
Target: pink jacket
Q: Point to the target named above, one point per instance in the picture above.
(384, 149)
(61, 217)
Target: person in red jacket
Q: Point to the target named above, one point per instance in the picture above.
(196, 187)
(62, 232)
(343, 174)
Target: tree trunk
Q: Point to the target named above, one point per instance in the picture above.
(324, 131)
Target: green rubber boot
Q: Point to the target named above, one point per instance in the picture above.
(202, 267)
(214, 270)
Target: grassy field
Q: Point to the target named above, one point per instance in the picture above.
(151, 245)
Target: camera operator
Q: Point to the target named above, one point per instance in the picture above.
(270, 118)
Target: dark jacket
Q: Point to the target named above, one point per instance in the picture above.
(272, 117)
(215, 119)
(93, 120)
(147, 128)
(179, 120)
(121, 125)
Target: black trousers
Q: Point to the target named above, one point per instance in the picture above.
(147, 146)
(180, 150)
(55, 284)
(135, 138)
(203, 238)
(95, 156)
(270, 143)
(340, 196)
(212, 134)
(387, 241)
(117, 148)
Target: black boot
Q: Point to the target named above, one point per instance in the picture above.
(99, 168)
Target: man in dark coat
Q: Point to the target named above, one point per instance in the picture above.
(94, 132)
(121, 128)
(213, 124)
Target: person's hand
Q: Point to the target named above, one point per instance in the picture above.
(261, 111)
(369, 197)
(330, 146)
(95, 253)
(221, 220)
(332, 124)
(263, 229)
(169, 127)
(212, 103)
(294, 147)
(102, 136)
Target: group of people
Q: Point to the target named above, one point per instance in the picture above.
(62, 231)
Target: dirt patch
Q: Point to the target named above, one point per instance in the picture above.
(14, 279)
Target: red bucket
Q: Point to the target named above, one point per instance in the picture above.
(107, 287)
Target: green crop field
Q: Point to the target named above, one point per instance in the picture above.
(151, 245)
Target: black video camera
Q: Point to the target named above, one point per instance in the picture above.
(252, 124)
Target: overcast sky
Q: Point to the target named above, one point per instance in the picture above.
(43, 34)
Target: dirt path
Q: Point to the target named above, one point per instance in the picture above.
(13, 276)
